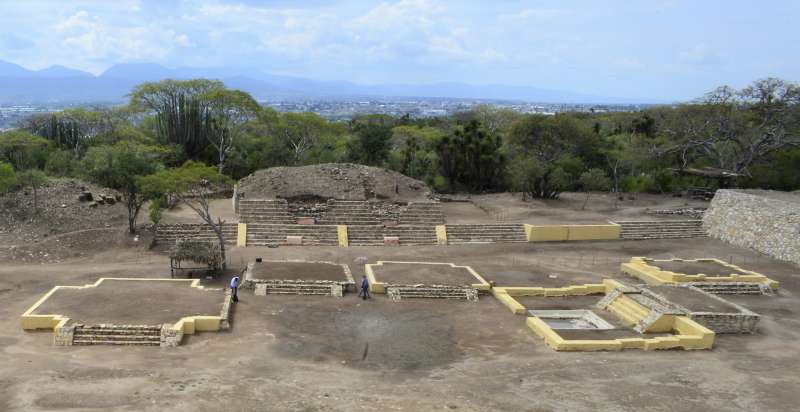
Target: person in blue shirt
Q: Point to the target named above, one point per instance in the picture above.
(364, 294)
(235, 287)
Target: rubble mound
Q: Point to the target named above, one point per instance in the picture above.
(63, 206)
(342, 181)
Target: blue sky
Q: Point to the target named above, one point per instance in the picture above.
(640, 49)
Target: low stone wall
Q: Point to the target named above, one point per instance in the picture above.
(767, 223)
(199, 231)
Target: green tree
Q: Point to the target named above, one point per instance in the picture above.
(60, 163)
(24, 150)
(191, 184)
(301, 132)
(72, 129)
(593, 180)
(8, 178)
(545, 150)
(33, 178)
(118, 167)
(228, 111)
(471, 158)
(371, 143)
(731, 129)
(181, 109)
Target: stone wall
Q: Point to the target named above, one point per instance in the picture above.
(760, 220)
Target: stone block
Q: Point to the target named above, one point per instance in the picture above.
(294, 240)
(306, 221)
(391, 241)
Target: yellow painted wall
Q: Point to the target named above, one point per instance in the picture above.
(547, 233)
(511, 303)
(640, 268)
(341, 232)
(441, 234)
(691, 335)
(558, 233)
(241, 234)
(594, 232)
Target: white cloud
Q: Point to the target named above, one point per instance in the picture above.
(90, 37)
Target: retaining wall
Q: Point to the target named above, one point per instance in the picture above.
(765, 221)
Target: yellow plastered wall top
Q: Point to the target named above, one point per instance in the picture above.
(377, 286)
(241, 234)
(690, 335)
(341, 233)
(641, 268)
(506, 294)
(441, 234)
(556, 233)
(29, 321)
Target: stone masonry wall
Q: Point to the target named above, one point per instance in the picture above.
(770, 225)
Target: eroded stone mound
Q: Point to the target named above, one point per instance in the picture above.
(344, 181)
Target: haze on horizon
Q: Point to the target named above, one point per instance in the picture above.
(664, 50)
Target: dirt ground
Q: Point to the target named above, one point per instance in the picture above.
(694, 300)
(696, 268)
(420, 274)
(133, 303)
(298, 271)
(346, 354)
(602, 207)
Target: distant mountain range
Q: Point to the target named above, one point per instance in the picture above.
(59, 84)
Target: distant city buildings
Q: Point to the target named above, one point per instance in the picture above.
(420, 108)
(345, 109)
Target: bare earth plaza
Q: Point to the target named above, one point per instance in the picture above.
(551, 307)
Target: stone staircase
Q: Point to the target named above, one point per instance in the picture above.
(198, 231)
(262, 234)
(373, 235)
(265, 211)
(348, 212)
(733, 288)
(431, 292)
(662, 229)
(124, 335)
(289, 287)
(492, 233)
(422, 214)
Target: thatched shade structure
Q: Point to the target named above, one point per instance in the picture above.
(197, 251)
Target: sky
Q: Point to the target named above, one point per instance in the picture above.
(657, 49)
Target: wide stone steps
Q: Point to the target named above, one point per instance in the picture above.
(197, 231)
(298, 290)
(422, 214)
(733, 288)
(460, 234)
(408, 235)
(264, 211)
(267, 234)
(348, 212)
(426, 292)
(110, 335)
(666, 229)
(628, 311)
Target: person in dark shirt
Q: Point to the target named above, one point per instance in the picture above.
(364, 293)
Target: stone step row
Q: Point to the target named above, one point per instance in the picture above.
(409, 292)
(293, 289)
(107, 337)
(87, 342)
(733, 288)
(118, 332)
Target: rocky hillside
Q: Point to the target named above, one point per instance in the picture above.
(65, 219)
